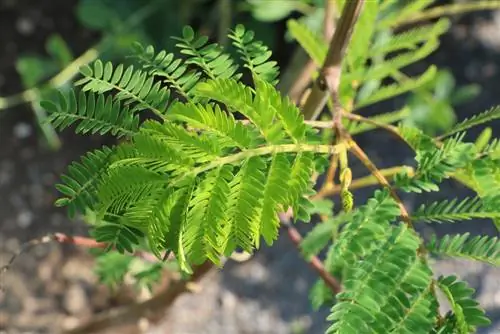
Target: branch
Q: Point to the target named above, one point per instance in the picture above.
(65, 239)
(302, 81)
(364, 181)
(328, 82)
(149, 308)
(329, 77)
(314, 261)
(361, 155)
(72, 69)
(453, 9)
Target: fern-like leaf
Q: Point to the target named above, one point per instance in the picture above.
(467, 312)
(313, 44)
(487, 116)
(208, 57)
(409, 39)
(272, 114)
(480, 248)
(274, 195)
(358, 49)
(201, 237)
(213, 120)
(132, 86)
(254, 54)
(93, 112)
(454, 210)
(245, 198)
(369, 223)
(392, 65)
(371, 283)
(124, 186)
(111, 268)
(324, 232)
(172, 71)
(387, 92)
(80, 183)
(407, 9)
(436, 164)
(117, 236)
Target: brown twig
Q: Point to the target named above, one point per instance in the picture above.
(328, 81)
(66, 239)
(305, 76)
(302, 81)
(314, 261)
(361, 155)
(150, 308)
(329, 76)
(364, 181)
(328, 20)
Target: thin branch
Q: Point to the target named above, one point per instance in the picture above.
(361, 155)
(225, 15)
(314, 261)
(328, 20)
(58, 80)
(302, 81)
(65, 239)
(365, 181)
(328, 82)
(155, 306)
(329, 76)
(305, 76)
(354, 117)
(72, 69)
(445, 10)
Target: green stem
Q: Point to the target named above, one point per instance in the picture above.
(266, 150)
(454, 9)
(67, 73)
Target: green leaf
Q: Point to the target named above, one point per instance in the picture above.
(315, 47)
(478, 119)
(59, 50)
(275, 10)
(479, 248)
(466, 310)
(96, 14)
(390, 91)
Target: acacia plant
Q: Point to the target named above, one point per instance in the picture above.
(210, 163)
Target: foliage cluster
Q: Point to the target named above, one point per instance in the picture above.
(208, 160)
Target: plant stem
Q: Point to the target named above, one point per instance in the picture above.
(155, 306)
(225, 21)
(361, 155)
(266, 150)
(365, 181)
(66, 239)
(315, 263)
(67, 73)
(58, 80)
(329, 77)
(453, 9)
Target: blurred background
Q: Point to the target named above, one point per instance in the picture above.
(53, 287)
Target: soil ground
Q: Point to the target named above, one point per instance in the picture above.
(52, 287)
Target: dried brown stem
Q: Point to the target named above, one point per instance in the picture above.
(314, 261)
(153, 307)
(66, 239)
